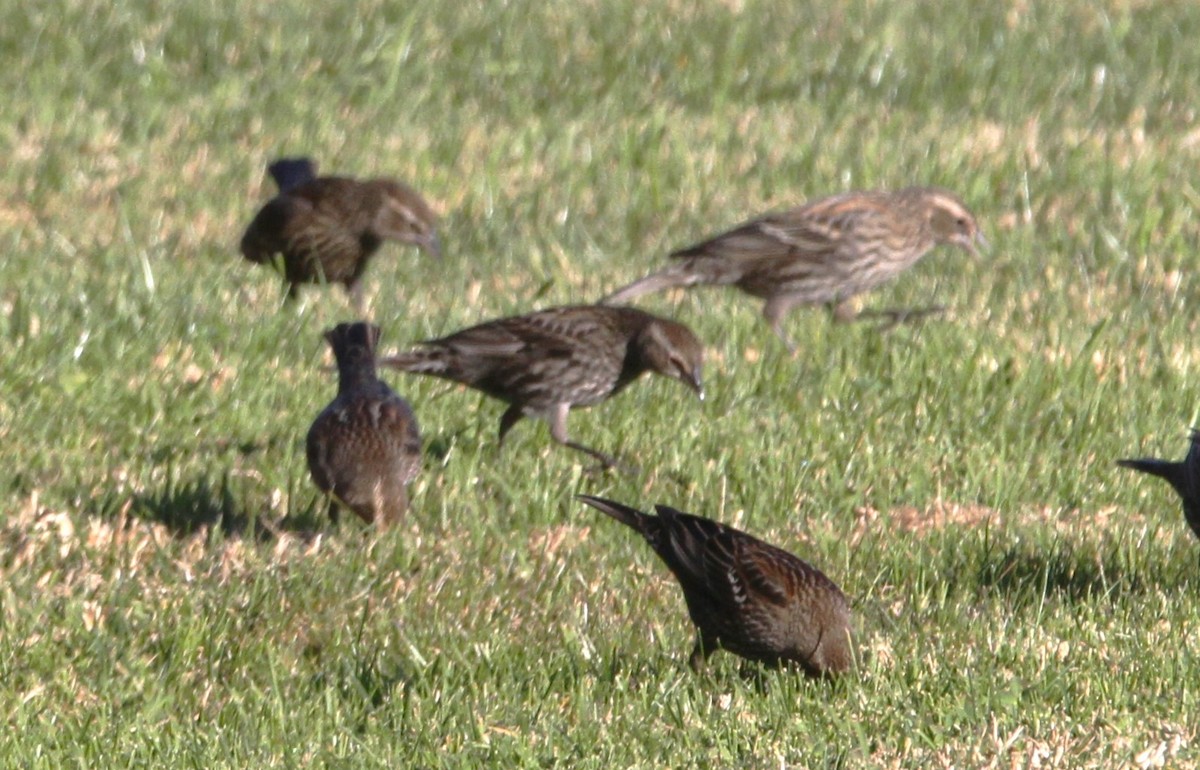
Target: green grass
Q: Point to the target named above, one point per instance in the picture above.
(171, 596)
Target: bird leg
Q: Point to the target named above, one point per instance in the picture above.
(557, 418)
(511, 417)
(893, 317)
(774, 311)
(705, 646)
(355, 290)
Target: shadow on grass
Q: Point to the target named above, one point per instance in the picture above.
(1028, 571)
(189, 506)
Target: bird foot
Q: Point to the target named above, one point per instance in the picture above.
(893, 317)
(611, 465)
(606, 462)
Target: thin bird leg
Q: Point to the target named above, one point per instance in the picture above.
(774, 311)
(511, 417)
(893, 317)
(698, 660)
(356, 297)
(558, 431)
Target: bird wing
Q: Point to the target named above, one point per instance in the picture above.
(760, 571)
(267, 232)
(377, 422)
(684, 542)
(392, 425)
(317, 451)
(537, 336)
(736, 567)
(489, 340)
(328, 216)
(768, 238)
(817, 231)
(392, 414)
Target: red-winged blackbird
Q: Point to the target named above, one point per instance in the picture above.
(547, 362)
(328, 228)
(364, 448)
(824, 252)
(1184, 476)
(744, 595)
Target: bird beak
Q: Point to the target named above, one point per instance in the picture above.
(693, 382)
(973, 245)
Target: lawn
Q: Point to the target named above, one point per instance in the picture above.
(172, 596)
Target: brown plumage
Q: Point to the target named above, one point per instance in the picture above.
(328, 228)
(744, 595)
(1183, 475)
(824, 252)
(364, 448)
(545, 363)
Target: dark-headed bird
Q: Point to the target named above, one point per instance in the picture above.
(824, 252)
(364, 448)
(327, 228)
(1183, 475)
(545, 363)
(744, 595)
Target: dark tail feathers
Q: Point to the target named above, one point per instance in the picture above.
(631, 517)
(1161, 468)
(431, 361)
(289, 173)
(669, 278)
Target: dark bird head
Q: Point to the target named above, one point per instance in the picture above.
(354, 347)
(671, 349)
(290, 173)
(950, 221)
(406, 217)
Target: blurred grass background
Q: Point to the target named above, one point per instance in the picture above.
(171, 595)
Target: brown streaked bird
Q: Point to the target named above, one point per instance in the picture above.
(745, 595)
(328, 228)
(364, 448)
(545, 363)
(1183, 475)
(824, 252)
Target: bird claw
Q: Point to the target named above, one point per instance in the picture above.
(608, 464)
(893, 317)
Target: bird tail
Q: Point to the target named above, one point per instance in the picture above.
(680, 274)
(630, 517)
(421, 361)
(1161, 468)
(290, 173)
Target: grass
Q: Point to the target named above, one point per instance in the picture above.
(171, 596)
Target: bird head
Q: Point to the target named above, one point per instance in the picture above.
(406, 217)
(671, 349)
(950, 221)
